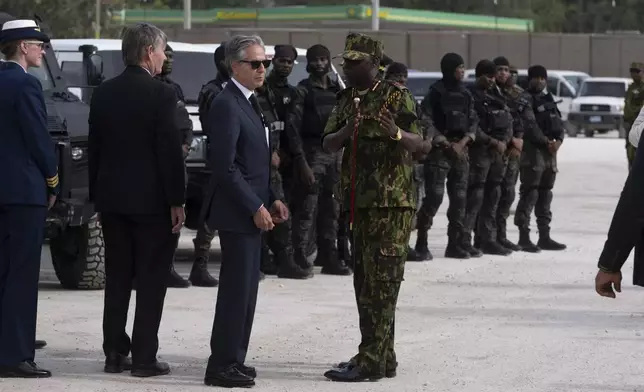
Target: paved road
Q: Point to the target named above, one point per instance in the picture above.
(520, 323)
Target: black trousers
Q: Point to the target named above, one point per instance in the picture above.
(137, 248)
(21, 238)
(236, 299)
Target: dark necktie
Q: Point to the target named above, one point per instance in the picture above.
(254, 102)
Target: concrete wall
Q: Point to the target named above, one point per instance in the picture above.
(599, 55)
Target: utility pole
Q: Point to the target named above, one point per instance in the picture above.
(187, 14)
(375, 15)
(97, 28)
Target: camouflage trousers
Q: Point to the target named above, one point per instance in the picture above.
(202, 242)
(278, 240)
(538, 173)
(439, 167)
(508, 194)
(316, 205)
(487, 171)
(381, 238)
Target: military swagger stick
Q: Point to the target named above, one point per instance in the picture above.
(356, 104)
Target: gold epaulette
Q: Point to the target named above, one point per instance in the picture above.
(52, 182)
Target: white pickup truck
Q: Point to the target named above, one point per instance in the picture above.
(599, 106)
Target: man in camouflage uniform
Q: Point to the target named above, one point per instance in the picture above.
(633, 103)
(449, 116)
(313, 197)
(276, 98)
(199, 269)
(375, 122)
(487, 162)
(523, 117)
(539, 165)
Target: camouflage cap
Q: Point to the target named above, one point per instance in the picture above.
(637, 65)
(361, 47)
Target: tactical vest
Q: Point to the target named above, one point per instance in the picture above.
(208, 92)
(318, 105)
(637, 97)
(547, 115)
(494, 116)
(266, 98)
(455, 106)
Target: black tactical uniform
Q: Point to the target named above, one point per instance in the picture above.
(523, 117)
(487, 162)
(276, 98)
(209, 91)
(449, 115)
(317, 204)
(185, 126)
(539, 166)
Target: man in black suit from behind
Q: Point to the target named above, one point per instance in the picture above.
(239, 195)
(136, 180)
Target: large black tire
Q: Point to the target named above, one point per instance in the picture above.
(78, 255)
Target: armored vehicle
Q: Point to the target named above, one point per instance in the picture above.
(73, 230)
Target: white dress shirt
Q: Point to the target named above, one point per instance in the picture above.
(247, 93)
(636, 129)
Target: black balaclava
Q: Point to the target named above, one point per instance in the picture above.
(449, 63)
(537, 71)
(501, 62)
(485, 67)
(220, 56)
(284, 51)
(316, 51)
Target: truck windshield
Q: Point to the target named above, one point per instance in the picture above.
(41, 73)
(602, 89)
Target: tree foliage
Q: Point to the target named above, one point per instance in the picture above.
(77, 17)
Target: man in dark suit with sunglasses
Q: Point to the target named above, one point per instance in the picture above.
(238, 208)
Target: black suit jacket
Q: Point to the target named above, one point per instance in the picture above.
(240, 161)
(627, 227)
(135, 155)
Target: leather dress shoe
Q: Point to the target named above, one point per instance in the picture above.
(117, 363)
(352, 374)
(40, 344)
(390, 371)
(150, 370)
(230, 377)
(247, 370)
(26, 369)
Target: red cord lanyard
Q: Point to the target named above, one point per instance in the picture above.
(354, 159)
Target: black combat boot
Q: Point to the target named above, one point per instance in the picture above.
(421, 248)
(344, 251)
(333, 265)
(494, 248)
(454, 250)
(412, 255)
(525, 243)
(175, 280)
(466, 245)
(287, 269)
(267, 265)
(199, 275)
(547, 243)
(506, 243)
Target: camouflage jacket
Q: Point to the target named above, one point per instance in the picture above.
(634, 101)
(384, 169)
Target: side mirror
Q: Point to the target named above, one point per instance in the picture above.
(95, 72)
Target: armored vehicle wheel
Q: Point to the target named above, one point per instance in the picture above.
(78, 255)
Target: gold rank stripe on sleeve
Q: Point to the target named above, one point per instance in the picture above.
(52, 182)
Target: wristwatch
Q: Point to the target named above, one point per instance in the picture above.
(398, 135)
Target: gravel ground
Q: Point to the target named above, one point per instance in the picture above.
(519, 323)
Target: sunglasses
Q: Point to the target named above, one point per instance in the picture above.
(255, 64)
(635, 70)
